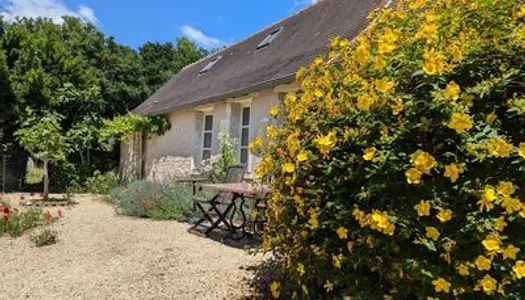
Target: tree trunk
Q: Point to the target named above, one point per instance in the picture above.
(46, 180)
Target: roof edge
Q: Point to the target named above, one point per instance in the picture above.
(285, 79)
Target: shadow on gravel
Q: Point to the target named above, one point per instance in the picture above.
(263, 275)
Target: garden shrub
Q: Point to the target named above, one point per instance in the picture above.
(45, 238)
(102, 183)
(399, 169)
(153, 200)
(216, 167)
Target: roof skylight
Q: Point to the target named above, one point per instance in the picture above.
(210, 65)
(269, 39)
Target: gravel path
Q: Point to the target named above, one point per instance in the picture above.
(104, 256)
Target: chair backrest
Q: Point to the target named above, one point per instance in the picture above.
(235, 174)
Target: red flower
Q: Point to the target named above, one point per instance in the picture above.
(48, 216)
(42, 195)
(61, 212)
(5, 213)
(32, 194)
(22, 197)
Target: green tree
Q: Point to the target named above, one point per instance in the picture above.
(161, 61)
(42, 136)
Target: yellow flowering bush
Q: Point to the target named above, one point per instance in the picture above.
(398, 171)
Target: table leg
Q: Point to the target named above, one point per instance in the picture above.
(194, 183)
(234, 229)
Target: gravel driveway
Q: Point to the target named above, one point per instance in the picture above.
(104, 256)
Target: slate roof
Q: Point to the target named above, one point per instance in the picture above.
(243, 69)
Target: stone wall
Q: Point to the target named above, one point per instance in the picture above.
(167, 168)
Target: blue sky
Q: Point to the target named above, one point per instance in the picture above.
(210, 23)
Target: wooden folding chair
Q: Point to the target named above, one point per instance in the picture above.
(211, 209)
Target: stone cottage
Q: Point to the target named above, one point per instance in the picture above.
(233, 89)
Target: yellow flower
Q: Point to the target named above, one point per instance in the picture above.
(423, 208)
(387, 41)
(460, 122)
(326, 143)
(506, 188)
(289, 168)
(302, 156)
(432, 233)
(492, 243)
(318, 93)
(416, 4)
(342, 233)
(300, 269)
(519, 269)
(369, 154)
(380, 219)
(314, 219)
(498, 147)
(379, 64)
(328, 286)
(423, 161)
(511, 204)
(500, 224)
(452, 171)
(397, 107)
(274, 110)
(434, 62)
(413, 176)
(521, 12)
(270, 131)
(256, 144)
(521, 150)
(364, 102)
(428, 32)
(483, 263)
(441, 285)
(463, 270)
(489, 195)
(510, 252)
(275, 288)
(384, 85)
(444, 215)
(452, 91)
(336, 259)
(363, 52)
(488, 284)
(432, 298)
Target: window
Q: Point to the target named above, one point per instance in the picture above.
(207, 135)
(210, 64)
(244, 151)
(269, 39)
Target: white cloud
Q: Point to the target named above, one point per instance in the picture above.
(87, 14)
(301, 4)
(199, 37)
(53, 9)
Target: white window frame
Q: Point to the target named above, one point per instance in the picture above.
(241, 127)
(204, 131)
